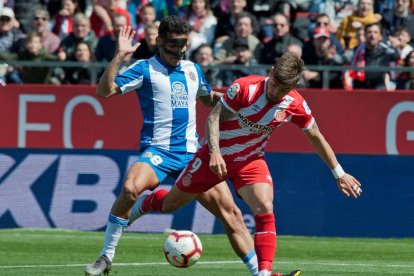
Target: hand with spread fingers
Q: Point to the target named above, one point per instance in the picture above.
(349, 186)
(125, 39)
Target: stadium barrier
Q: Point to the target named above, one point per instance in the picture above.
(64, 153)
(95, 68)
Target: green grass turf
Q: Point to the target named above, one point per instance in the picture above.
(64, 252)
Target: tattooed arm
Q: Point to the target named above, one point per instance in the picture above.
(347, 184)
(217, 115)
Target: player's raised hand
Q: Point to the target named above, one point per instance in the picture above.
(349, 185)
(125, 39)
(218, 165)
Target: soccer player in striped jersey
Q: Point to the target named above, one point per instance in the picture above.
(238, 129)
(167, 88)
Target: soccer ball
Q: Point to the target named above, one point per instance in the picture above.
(182, 248)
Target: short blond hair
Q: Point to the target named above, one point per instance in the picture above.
(288, 69)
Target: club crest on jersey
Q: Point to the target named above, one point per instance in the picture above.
(192, 75)
(232, 91)
(187, 180)
(280, 115)
(179, 96)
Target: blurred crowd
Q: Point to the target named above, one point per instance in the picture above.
(356, 33)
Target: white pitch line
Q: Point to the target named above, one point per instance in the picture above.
(216, 263)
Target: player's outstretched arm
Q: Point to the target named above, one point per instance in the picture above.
(347, 184)
(107, 86)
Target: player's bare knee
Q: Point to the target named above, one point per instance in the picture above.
(264, 207)
(130, 190)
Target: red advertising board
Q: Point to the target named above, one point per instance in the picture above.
(39, 116)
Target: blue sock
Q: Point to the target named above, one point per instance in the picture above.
(250, 260)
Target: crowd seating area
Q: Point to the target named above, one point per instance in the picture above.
(351, 44)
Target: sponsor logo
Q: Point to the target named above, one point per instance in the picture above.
(179, 96)
(233, 90)
(253, 127)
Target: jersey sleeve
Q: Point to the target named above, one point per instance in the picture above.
(302, 116)
(235, 97)
(204, 88)
(131, 78)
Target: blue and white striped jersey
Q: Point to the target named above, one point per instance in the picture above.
(168, 98)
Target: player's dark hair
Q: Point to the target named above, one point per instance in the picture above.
(288, 69)
(172, 24)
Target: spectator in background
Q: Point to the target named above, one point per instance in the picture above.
(227, 21)
(40, 22)
(105, 49)
(402, 40)
(372, 53)
(34, 51)
(323, 21)
(244, 58)
(82, 74)
(202, 23)
(81, 32)
(294, 49)
(297, 50)
(203, 56)
(146, 16)
(148, 45)
(134, 8)
(175, 7)
(243, 29)
(263, 10)
(281, 39)
(400, 16)
(362, 16)
(336, 10)
(62, 23)
(406, 79)
(102, 14)
(320, 51)
(11, 38)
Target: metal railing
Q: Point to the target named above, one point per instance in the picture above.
(97, 67)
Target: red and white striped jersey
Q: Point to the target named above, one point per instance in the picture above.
(246, 134)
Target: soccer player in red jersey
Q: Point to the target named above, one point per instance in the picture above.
(238, 129)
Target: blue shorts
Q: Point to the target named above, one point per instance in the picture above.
(164, 163)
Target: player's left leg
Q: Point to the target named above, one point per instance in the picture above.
(253, 183)
(259, 197)
(219, 201)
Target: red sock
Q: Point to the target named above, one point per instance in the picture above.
(153, 202)
(265, 240)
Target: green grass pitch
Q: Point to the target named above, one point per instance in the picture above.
(64, 252)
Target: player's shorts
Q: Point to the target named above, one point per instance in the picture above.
(198, 177)
(164, 163)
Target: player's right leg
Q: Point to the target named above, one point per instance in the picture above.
(140, 177)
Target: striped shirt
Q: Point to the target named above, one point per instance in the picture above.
(167, 97)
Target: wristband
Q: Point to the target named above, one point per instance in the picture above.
(338, 172)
